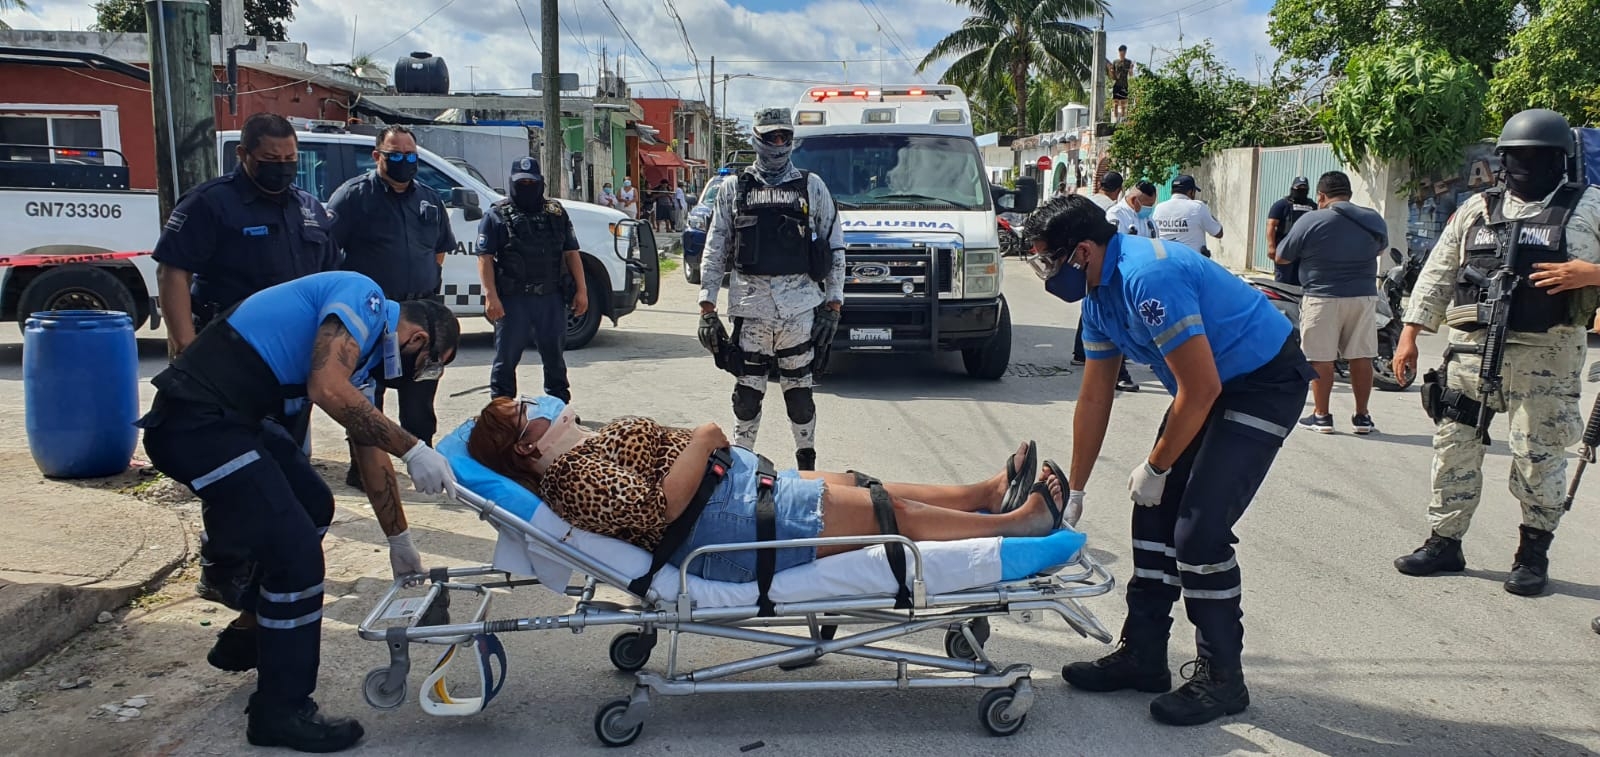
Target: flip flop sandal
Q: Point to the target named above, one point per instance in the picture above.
(1056, 513)
(1066, 486)
(1018, 479)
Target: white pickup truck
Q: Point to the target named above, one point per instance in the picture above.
(77, 238)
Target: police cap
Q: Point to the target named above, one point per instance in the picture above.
(773, 119)
(1537, 127)
(525, 169)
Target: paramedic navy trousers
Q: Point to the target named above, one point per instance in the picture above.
(261, 497)
(543, 317)
(1184, 546)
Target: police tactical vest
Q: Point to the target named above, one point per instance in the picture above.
(530, 262)
(1542, 240)
(772, 228)
(1296, 211)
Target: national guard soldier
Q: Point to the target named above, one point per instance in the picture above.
(529, 264)
(396, 231)
(777, 228)
(238, 234)
(1551, 308)
(323, 338)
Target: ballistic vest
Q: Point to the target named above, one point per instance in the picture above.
(530, 262)
(772, 227)
(1541, 239)
(1296, 210)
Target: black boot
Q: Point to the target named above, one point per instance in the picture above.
(1210, 694)
(1141, 668)
(805, 459)
(352, 477)
(1438, 553)
(1531, 569)
(299, 728)
(235, 650)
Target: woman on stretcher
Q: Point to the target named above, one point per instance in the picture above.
(633, 477)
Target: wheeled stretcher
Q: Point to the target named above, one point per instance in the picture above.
(846, 603)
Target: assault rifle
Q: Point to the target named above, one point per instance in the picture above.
(1591, 439)
(1494, 311)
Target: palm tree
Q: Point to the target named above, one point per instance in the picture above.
(6, 5)
(1017, 39)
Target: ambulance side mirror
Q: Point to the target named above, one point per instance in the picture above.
(467, 200)
(1023, 199)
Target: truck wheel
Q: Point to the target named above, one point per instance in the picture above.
(691, 269)
(990, 361)
(75, 287)
(581, 329)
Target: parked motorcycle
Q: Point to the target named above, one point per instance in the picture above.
(1010, 229)
(1395, 284)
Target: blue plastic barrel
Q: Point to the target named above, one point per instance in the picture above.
(80, 384)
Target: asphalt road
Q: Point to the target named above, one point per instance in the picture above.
(1343, 655)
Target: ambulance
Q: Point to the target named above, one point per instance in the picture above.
(922, 262)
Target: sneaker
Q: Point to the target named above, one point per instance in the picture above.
(1125, 668)
(1127, 385)
(235, 650)
(300, 728)
(1208, 695)
(1362, 424)
(1080, 361)
(1322, 424)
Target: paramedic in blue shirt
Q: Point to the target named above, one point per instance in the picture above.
(325, 338)
(1238, 379)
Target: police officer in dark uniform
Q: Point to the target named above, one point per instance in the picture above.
(1280, 219)
(529, 265)
(239, 234)
(1238, 380)
(395, 231)
(315, 338)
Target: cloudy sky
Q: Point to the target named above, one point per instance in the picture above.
(773, 48)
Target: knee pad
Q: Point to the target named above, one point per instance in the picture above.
(802, 409)
(747, 402)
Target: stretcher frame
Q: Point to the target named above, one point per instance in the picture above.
(963, 615)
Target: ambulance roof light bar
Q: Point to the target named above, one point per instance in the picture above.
(820, 95)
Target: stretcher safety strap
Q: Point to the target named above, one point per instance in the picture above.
(766, 530)
(678, 530)
(224, 470)
(883, 508)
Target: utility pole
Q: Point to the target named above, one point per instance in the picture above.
(555, 145)
(1097, 76)
(181, 94)
(713, 111)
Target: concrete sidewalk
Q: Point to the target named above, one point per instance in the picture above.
(72, 550)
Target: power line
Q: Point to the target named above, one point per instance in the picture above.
(625, 33)
(882, 20)
(447, 3)
(1161, 19)
(683, 34)
(531, 37)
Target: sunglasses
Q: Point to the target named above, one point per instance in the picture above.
(777, 138)
(401, 157)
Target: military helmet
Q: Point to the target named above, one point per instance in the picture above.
(1536, 127)
(773, 119)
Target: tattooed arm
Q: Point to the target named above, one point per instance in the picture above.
(383, 490)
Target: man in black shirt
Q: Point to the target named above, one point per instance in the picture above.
(396, 231)
(1280, 219)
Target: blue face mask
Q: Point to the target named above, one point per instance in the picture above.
(1069, 283)
(1147, 211)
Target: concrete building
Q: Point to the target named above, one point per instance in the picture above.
(683, 152)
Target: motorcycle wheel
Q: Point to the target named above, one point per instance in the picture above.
(1383, 376)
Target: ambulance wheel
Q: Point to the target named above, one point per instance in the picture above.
(605, 724)
(991, 711)
(74, 287)
(372, 688)
(990, 361)
(956, 646)
(628, 651)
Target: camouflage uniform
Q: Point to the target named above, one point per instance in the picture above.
(1540, 391)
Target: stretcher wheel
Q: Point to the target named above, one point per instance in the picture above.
(628, 651)
(372, 688)
(955, 642)
(605, 724)
(991, 711)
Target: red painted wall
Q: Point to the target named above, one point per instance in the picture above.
(259, 92)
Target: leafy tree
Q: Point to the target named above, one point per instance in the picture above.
(994, 104)
(262, 18)
(1018, 39)
(1552, 64)
(1330, 30)
(734, 136)
(1194, 106)
(1413, 104)
(8, 5)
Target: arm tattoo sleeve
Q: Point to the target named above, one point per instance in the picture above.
(386, 506)
(336, 352)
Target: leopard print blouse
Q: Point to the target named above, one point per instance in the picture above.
(611, 483)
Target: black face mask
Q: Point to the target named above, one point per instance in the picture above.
(528, 196)
(1532, 174)
(401, 172)
(1300, 195)
(274, 178)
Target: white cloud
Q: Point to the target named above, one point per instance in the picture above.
(486, 44)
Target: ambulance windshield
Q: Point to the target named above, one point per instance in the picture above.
(896, 171)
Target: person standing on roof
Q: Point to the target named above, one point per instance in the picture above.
(1184, 219)
(777, 229)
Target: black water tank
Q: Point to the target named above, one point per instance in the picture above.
(421, 74)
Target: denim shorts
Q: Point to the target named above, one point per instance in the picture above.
(730, 517)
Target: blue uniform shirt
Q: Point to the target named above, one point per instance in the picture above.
(282, 322)
(393, 237)
(238, 241)
(1149, 302)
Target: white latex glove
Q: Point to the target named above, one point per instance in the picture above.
(1074, 508)
(404, 559)
(430, 472)
(1146, 485)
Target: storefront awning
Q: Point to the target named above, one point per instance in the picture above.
(661, 159)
